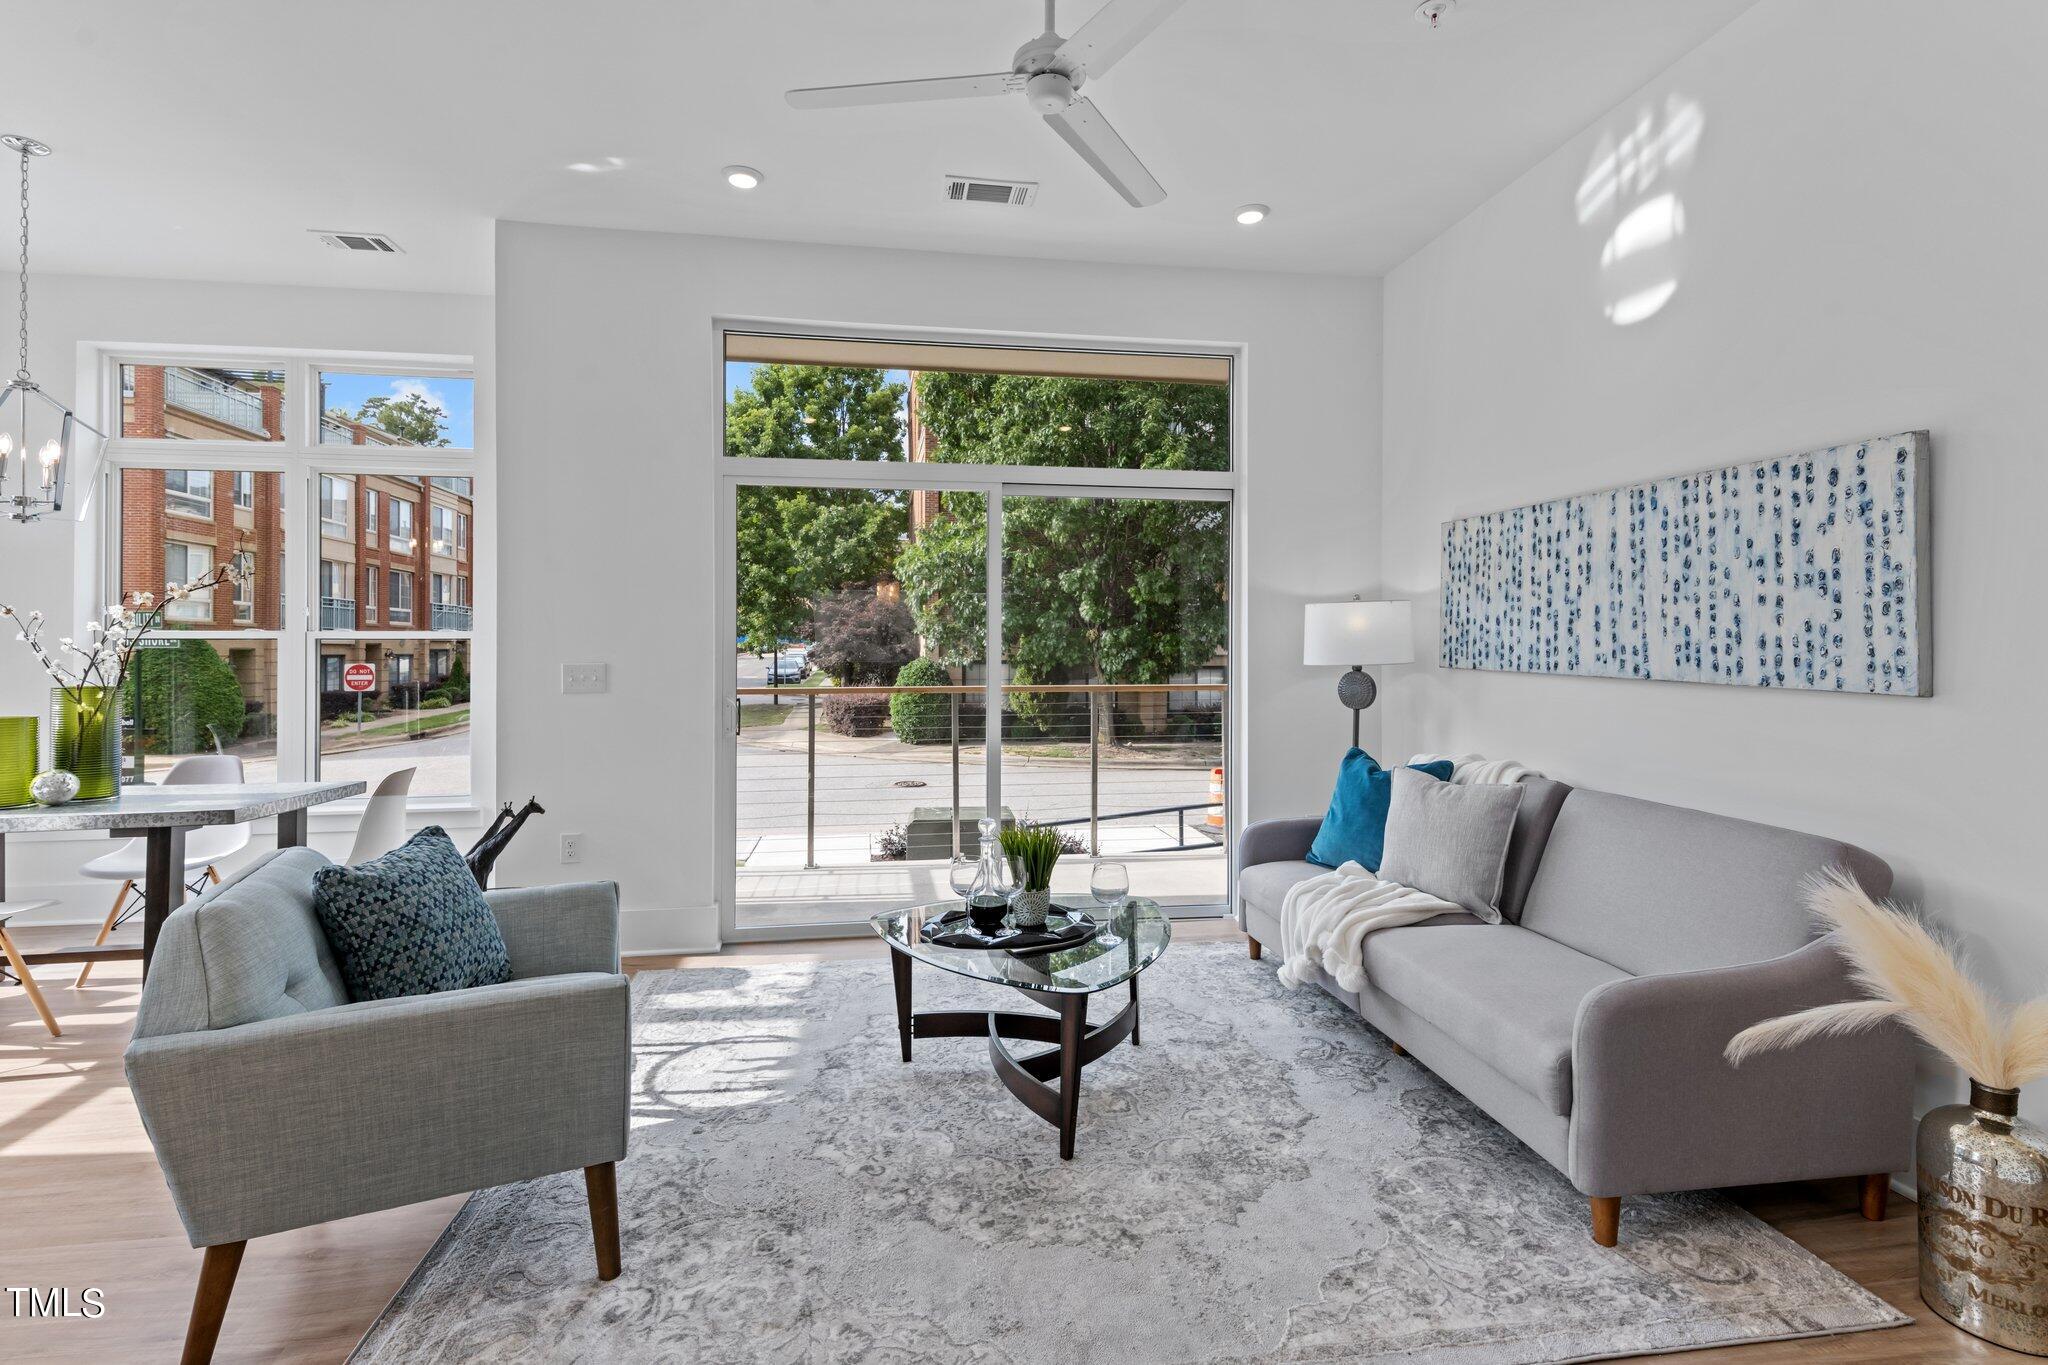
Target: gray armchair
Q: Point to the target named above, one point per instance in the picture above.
(273, 1102)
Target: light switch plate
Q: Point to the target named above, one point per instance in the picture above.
(586, 677)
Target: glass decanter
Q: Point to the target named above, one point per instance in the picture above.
(989, 900)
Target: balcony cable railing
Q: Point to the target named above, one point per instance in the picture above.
(449, 616)
(337, 613)
(1100, 707)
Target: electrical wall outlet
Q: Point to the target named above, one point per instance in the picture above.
(572, 848)
(586, 677)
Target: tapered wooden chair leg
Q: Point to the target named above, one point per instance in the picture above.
(601, 1183)
(28, 982)
(1877, 1193)
(1606, 1220)
(1255, 947)
(210, 1302)
(120, 899)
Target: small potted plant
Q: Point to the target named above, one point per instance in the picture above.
(1033, 850)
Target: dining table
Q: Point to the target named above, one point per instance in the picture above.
(160, 816)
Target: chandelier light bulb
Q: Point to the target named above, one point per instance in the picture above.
(6, 445)
(50, 453)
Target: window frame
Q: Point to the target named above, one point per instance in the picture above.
(301, 459)
(996, 481)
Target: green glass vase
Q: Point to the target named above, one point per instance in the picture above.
(85, 734)
(18, 751)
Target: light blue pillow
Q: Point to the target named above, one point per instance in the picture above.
(411, 922)
(1355, 827)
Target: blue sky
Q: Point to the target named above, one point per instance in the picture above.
(457, 398)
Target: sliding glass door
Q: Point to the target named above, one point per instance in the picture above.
(887, 521)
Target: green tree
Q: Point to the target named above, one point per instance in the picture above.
(184, 698)
(413, 418)
(1111, 590)
(797, 545)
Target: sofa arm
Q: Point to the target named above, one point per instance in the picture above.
(553, 929)
(309, 1117)
(1656, 1107)
(1276, 841)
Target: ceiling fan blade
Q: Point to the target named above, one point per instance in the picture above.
(1116, 28)
(904, 92)
(1089, 133)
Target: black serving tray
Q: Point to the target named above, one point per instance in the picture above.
(1064, 928)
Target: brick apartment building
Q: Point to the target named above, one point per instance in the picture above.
(396, 552)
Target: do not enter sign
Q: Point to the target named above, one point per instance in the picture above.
(359, 678)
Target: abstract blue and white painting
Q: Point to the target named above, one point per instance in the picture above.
(1806, 571)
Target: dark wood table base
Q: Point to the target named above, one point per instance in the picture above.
(1028, 1078)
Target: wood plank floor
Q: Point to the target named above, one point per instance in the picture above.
(84, 1206)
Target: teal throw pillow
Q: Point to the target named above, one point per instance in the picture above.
(411, 922)
(1355, 827)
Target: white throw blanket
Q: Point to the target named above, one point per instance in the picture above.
(1472, 770)
(1324, 921)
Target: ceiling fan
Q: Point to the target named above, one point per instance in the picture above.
(1047, 70)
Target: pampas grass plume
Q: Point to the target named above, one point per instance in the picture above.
(1913, 976)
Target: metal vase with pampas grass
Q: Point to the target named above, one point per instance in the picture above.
(1983, 1171)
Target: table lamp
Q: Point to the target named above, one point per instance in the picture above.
(1357, 633)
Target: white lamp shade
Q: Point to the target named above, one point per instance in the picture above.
(1347, 633)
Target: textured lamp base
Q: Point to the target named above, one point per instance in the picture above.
(1356, 690)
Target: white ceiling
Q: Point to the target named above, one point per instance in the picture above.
(202, 139)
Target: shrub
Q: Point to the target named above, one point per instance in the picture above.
(456, 684)
(437, 702)
(891, 845)
(922, 718)
(856, 715)
(862, 638)
(185, 699)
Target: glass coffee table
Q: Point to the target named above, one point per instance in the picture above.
(1131, 939)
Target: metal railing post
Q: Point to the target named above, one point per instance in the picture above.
(811, 779)
(954, 709)
(1094, 783)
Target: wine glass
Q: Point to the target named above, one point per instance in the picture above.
(961, 876)
(1110, 885)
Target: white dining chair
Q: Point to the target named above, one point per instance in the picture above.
(383, 824)
(205, 846)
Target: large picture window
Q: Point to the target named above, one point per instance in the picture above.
(373, 473)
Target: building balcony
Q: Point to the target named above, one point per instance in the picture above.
(205, 396)
(337, 613)
(450, 617)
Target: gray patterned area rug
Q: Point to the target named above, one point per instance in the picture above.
(1262, 1180)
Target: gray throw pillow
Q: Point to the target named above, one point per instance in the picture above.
(1451, 841)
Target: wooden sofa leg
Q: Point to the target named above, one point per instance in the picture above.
(601, 1183)
(1606, 1220)
(1255, 947)
(1877, 1193)
(210, 1301)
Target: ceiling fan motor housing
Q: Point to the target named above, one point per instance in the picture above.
(1049, 92)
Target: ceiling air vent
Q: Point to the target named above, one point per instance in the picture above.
(359, 241)
(971, 189)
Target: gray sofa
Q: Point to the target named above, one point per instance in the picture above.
(1637, 939)
(274, 1102)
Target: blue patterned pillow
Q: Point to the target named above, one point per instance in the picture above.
(411, 922)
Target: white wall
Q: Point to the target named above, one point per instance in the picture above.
(1862, 255)
(68, 312)
(609, 424)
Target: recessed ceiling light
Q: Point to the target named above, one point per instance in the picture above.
(741, 177)
(1252, 213)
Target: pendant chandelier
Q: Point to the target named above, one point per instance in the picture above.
(40, 438)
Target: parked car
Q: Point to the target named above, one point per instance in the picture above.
(788, 668)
